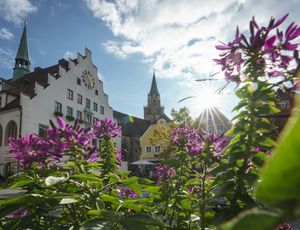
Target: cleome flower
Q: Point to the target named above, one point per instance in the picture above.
(268, 48)
(187, 137)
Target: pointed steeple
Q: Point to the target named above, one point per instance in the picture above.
(154, 90)
(22, 61)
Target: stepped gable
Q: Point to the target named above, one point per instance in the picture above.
(26, 83)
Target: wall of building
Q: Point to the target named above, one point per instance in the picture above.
(5, 118)
(40, 108)
(145, 141)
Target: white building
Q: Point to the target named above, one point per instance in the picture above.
(70, 88)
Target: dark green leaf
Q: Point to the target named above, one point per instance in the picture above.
(253, 219)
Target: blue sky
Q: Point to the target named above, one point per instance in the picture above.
(128, 38)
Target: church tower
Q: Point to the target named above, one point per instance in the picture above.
(22, 62)
(154, 111)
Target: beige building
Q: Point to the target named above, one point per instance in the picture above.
(153, 146)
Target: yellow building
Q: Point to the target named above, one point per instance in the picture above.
(154, 141)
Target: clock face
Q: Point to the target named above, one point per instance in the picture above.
(88, 79)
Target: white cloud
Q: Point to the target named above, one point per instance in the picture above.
(6, 58)
(16, 11)
(115, 49)
(6, 34)
(178, 37)
(69, 54)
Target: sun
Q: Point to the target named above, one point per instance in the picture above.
(204, 97)
(208, 98)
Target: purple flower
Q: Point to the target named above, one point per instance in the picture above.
(107, 128)
(186, 137)
(19, 213)
(195, 190)
(163, 172)
(267, 50)
(94, 157)
(29, 149)
(61, 122)
(285, 226)
(127, 193)
(120, 157)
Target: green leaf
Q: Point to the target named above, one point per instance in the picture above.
(186, 204)
(22, 183)
(140, 221)
(136, 188)
(279, 184)
(86, 177)
(131, 204)
(101, 212)
(172, 163)
(253, 219)
(152, 189)
(97, 224)
(110, 199)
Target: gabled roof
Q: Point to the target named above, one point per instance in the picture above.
(211, 116)
(131, 126)
(26, 83)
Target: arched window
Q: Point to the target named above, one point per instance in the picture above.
(1, 133)
(11, 131)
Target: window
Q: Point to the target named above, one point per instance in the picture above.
(157, 149)
(95, 107)
(220, 128)
(78, 81)
(58, 107)
(70, 94)
(1, 133)
(43, 130)
(101, 109)
(79, 115)
(11, 131)
(285, 104)
(89, 118)
(94, 119)
(69, 111)
(96, 92)
(88, 103)
(79, 99)
(0, 101)
(148, 149)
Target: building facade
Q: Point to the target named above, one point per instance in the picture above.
(70, 88)
(212, 120)
(153, 146)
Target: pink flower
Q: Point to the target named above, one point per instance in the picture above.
(127, 193)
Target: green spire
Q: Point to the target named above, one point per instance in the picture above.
(154, 90)
(22, 62)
